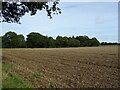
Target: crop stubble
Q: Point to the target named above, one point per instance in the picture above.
(67, 67)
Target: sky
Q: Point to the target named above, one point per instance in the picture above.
(89, 0)
(94, 19)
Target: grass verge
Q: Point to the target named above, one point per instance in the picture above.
(11, 79)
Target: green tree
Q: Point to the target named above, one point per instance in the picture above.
(84, 40)
(58, 41)
(61, 41)
(36, 40)
(104, 43)
(73, 43)
(21, 41)
(10, 40)
(65, 42)
(51, 42)
(45, 42)
(94, 42)
(33, 40)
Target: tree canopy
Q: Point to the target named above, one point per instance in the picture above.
(11, 12)
(37, 40)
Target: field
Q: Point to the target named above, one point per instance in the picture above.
(83, 67)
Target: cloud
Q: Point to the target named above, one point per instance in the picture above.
(71, 6)
(99, 20)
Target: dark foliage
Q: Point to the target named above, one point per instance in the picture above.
(37, 40)
(11, 12)
(12, 40)
(109, 43)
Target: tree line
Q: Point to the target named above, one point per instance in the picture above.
(37, 40)
(110, 43)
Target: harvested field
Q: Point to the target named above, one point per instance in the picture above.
(66, 67)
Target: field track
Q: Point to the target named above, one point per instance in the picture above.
(66, 67)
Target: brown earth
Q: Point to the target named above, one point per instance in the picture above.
(66, 67)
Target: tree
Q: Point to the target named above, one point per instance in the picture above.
(84, 40)
(61, 41)
(33, 40)
(110, 43)
(45, 42)
(51, 42)
(21, 41)
(65, 42)
(36, 40)
(11, 12)
(58, 41)
(94, 42)
(73, 42)
(10, 40)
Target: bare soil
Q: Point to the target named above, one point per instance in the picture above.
(83, 67)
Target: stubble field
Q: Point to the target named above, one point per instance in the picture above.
(83, 67)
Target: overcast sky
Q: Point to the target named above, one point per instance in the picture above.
(94, 19)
